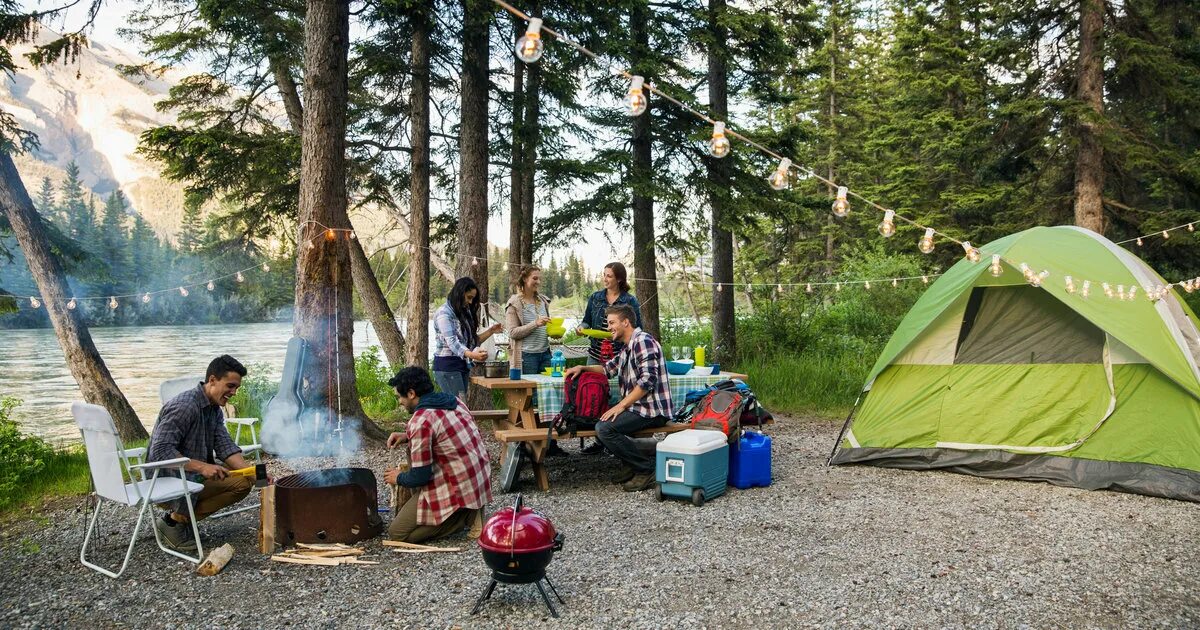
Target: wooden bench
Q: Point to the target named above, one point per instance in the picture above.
(504, 436)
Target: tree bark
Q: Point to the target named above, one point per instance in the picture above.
(291, 96)
(473, 152)
(516, 208)
(642, 171)
(324, 310)
(1089, 165)
(418, 208)
(724, 333)
(84, 361)
(376, 306)
(532, 133)
(833, 50)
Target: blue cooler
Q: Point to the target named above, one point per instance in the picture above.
(750, 465)
(692, 464)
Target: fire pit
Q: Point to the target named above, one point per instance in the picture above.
(336, 505)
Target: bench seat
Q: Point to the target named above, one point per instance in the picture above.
(505, 436)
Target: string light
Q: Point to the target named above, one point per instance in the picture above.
(112, 303)
(995, 267)
(973, 254)
(841, 207)
(210, 286)
(838, 286)
(1027, 272)
(34, 302)
(330, 234)
(353, 235)
(239, 277)
(1191, 228)
(183, 291)
(530, 46)
(895, 283)
(1139, 241)
(145, 298)
(636, 100)
(1166, 235)
(474, 261)
(1070, 284)
(71, 304)
(924, 279)
(1041, 277)
(926, 242)
(779, 178)
(719, 146)
(1121, 292)
(887, 228)
(266, 268)
(779, 288)
(1132, 292)
(1087, 289)
(1108, 291)
(808, 288)
(718, 287)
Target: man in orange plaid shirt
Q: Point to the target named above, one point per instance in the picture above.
(449, 463)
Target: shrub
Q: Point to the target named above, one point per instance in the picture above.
(257, 388)
(372, 375)
(22, 457)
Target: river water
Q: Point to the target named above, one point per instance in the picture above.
(32, 367)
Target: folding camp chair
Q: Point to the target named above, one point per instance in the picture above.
(108, 460)
(173, 387)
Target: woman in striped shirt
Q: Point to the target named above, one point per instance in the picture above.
(526, 316)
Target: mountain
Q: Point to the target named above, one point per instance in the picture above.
(87, 111)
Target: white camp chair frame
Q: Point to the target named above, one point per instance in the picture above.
(135, 497)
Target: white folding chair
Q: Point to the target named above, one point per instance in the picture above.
(109, 461)
(173, 387)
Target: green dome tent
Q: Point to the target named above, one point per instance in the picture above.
(992, 376)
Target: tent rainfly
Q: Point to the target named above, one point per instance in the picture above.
(994, 377)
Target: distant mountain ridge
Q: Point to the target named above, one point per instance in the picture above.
(86, 111)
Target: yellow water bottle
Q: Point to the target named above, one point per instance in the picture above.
(699, 356)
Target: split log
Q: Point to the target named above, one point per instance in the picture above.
(266, 520)
(405, 547)
(330, 553)
(216, 561)
(324, 546)
(326, 562)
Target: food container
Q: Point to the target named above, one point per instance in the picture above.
(495, 369)
(679, 368)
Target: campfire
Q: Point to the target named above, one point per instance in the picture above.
(336, 505)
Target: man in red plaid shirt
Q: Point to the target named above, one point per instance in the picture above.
(646, 398)
(448, 459)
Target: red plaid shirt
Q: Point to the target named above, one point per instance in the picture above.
(641, 364)
(450, 442)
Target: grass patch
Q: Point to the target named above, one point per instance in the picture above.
(823, 384)
(65, 473)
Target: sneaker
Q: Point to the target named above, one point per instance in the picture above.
(625, 473)
(179, 537)
(595, 447)
(639, 482)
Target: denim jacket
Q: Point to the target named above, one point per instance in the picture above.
(594, 317)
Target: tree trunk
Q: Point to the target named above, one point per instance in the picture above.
(473, 152)
(724, 334)
(291, 96)
(418, 234)
(82, 358)
(516, 209)
(642, 171)
(1089, 166)
(376, 306)
(833, 24)
(324, 310)
(532, 134)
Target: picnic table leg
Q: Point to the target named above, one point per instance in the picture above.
(520, 413)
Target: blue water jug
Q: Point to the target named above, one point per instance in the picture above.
(750, 461)
(558, 363)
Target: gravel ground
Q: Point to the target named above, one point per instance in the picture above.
(844, 546)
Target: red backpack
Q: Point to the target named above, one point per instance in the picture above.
(585, 400)
(720, 410)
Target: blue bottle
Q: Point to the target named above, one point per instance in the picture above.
(750, 461)
(558, 363)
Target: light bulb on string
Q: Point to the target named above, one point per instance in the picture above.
(867, 285)
(1189, 286)
(1041, 277)
(1086, 290)
(838, 286)
(183, 291)
(895, 283)
(1166, 235)
(1027, 272)
(1069, 283)
(924, 279)
(808, 288)
(1108, 290)
(1191, 228)
(718, 287)
(1132, 292)
(841, 207)
(330, 234)
(474, 261)
(145, 298)
(972, 252)
(353, 235)
(887, 227)
(239, 277)
(210, 286)
(266, 268)
(1139, 241)
(718, 146)
(71, 304)
(995, 268)
(636, 100)
(1121, 292)
(34, 302)
(779, 289)
(926, 242)
(112, 303)
(779, 177)
(530, 46)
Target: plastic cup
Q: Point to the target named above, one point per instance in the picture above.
(716, 369)
(514, 374)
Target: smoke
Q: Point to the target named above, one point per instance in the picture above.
(314, 433)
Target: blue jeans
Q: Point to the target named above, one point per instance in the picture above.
(534, 362)
(453, 383)
(614, 436)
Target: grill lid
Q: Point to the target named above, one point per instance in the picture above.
(517, 529)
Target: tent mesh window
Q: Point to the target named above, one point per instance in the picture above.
(1025, 325)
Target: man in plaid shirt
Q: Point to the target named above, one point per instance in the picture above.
(448, 459)
(646, 397)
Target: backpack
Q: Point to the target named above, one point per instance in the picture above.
(721, 410)
(585, 400)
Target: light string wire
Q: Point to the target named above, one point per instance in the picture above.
(1190, 284)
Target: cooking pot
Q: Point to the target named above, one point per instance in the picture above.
(495, 369)
(518, 543)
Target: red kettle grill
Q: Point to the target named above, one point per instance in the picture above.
(518, 543)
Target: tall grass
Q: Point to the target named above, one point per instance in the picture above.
(821, 384)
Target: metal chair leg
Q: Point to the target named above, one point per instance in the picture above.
(545, 598)
(487, 594)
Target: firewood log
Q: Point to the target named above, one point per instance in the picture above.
(216, 560)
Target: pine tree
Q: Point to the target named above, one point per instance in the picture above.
(46, 204)
(191, 229)
(142, 245)
(113, 240)
(74, 207)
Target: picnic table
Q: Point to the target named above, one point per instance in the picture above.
(520, 424)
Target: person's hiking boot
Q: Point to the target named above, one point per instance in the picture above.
(178, 536)
(476, 525)
(554, 450)
(623, 474)
(639, 482)
(593, 448)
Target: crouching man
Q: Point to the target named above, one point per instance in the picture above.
(645, 398)
(192, 425)
(450, 472)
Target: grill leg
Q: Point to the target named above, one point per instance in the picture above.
(554, 590)
(545, 598)
(487, 593)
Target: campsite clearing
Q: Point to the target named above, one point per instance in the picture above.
(848, 545)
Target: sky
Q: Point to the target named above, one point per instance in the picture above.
(594, 252)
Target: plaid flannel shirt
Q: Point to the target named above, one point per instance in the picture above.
(190, 425)
(450, 442)
(641, 364)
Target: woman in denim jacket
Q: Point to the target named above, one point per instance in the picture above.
(615, 291)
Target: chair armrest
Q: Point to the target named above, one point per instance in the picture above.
(242, 421)
(166, 463)
(135, 453)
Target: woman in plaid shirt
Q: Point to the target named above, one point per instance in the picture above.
(448, 459)
(646, 397)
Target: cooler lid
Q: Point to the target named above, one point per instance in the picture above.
(693, 442)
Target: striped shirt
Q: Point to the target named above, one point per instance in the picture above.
(641, 364)
(535, 341)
